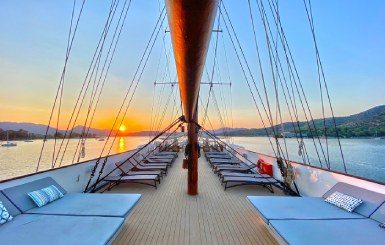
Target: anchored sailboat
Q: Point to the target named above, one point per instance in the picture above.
(9, 143)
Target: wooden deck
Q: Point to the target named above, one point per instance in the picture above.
(167, 215)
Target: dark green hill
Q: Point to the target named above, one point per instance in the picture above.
(370, 123)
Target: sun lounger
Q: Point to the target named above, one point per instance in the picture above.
(71, 203)
(127, 169)
(209, 158)
(76, 218)
(286, 207)
(140, 160)
(208, 154)
(216, 154)
(234, 168)
(233, 181)
(235, 174)
(150, 180)
(168, 158)
(93, 204)
(152, 160)
(145, 167)
(222, 162)
(36, 229)
(310, 220)
(337, 231)
(174, 155)
(164, 158)
(167, 153)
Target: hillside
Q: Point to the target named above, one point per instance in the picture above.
(31, 130)
(369, 123)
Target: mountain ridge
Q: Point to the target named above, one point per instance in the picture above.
(368, 123)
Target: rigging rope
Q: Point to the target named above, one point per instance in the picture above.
(263, 77)
(85, 84)
(112, 47)
(299, 87)
(139, 70)
(62, 85)
(61, 80)
(320, 68)
(247, 80)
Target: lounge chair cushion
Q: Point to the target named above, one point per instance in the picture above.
(57, 229)
(96, 204)
(285, 207)
(12, 209)
(341, 231)
(379, 215)
(19, 194)
(371, 200)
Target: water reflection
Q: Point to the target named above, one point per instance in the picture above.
(122, 145)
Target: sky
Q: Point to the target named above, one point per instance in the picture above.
(33, 41)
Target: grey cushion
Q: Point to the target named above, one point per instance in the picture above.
(55, 229)
(379, 215)
(371, 200)
(285, 207)
(343, 231)
(12, 209)
(19, 194)
(113, 205)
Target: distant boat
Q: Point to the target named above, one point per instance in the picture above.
(8, 144)
(100, 139)
(29, 139)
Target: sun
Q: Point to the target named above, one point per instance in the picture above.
(122, 128)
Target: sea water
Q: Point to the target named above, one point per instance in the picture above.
(363, 157)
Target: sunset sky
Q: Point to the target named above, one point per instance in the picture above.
(350, 35)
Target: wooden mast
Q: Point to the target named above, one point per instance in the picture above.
(191, 23)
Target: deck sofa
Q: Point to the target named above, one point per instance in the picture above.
(76, 218)
(311, 220)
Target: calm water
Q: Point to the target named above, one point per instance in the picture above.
(22, 159)
(363, 157)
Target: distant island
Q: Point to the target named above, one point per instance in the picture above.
(370, 123)
(31, 131)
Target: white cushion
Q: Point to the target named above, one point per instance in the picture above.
(343, 201)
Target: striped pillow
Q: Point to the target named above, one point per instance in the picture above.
(45, 195)
(4, 214)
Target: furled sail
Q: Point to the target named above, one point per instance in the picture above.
(191, 23)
